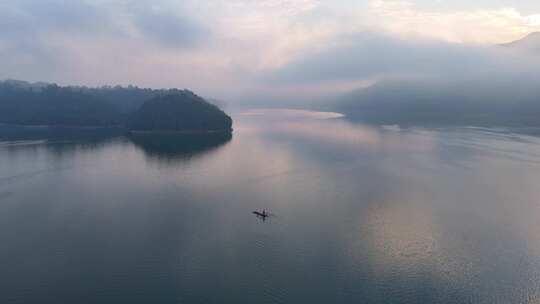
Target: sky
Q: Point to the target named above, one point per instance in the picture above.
(254, 49)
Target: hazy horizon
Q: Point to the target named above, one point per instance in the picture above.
(264, 51)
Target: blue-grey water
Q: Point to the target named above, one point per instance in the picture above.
(360, 215)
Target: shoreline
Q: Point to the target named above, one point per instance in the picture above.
(41, 127)
(149, 132)
(116, 127)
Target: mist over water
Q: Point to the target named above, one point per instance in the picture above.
(361, 214)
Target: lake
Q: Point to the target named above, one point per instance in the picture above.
(360, 214)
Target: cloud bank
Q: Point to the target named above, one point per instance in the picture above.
(271, 50)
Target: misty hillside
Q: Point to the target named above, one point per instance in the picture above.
(126, 100)
(530, 43)
(53, 105)
(25, 103)
(180, 111)
(437, 102)
(481, 93)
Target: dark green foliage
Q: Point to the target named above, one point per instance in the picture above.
(53, 105)
(179, 111)
(32, 104)
(125, 99)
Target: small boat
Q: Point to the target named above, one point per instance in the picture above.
(262, 214)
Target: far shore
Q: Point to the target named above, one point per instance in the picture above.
(63, 126)
(178, 131)
(113, 127)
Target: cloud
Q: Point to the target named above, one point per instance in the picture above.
(279, 47)
(97, 42)
(33, 17)
(167, 25)
(163, 25)
(490, 25)
(368, 55)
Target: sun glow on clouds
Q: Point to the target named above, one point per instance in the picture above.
(267, 34)
(475, 26)
(533, 20)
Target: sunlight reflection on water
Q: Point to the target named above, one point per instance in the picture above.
(363, 214)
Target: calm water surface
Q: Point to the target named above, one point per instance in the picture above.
(361, 215)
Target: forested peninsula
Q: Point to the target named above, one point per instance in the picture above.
(133, 108)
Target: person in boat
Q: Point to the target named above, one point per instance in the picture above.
(262, 214)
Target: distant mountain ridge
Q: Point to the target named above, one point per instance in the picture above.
(25, 84)
(501, 100)
(441, 103)
(529, 43)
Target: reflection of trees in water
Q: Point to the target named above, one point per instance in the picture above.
(63, 149)
(57, 141)
(63, 142)
(19, 133)
(167, 147)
